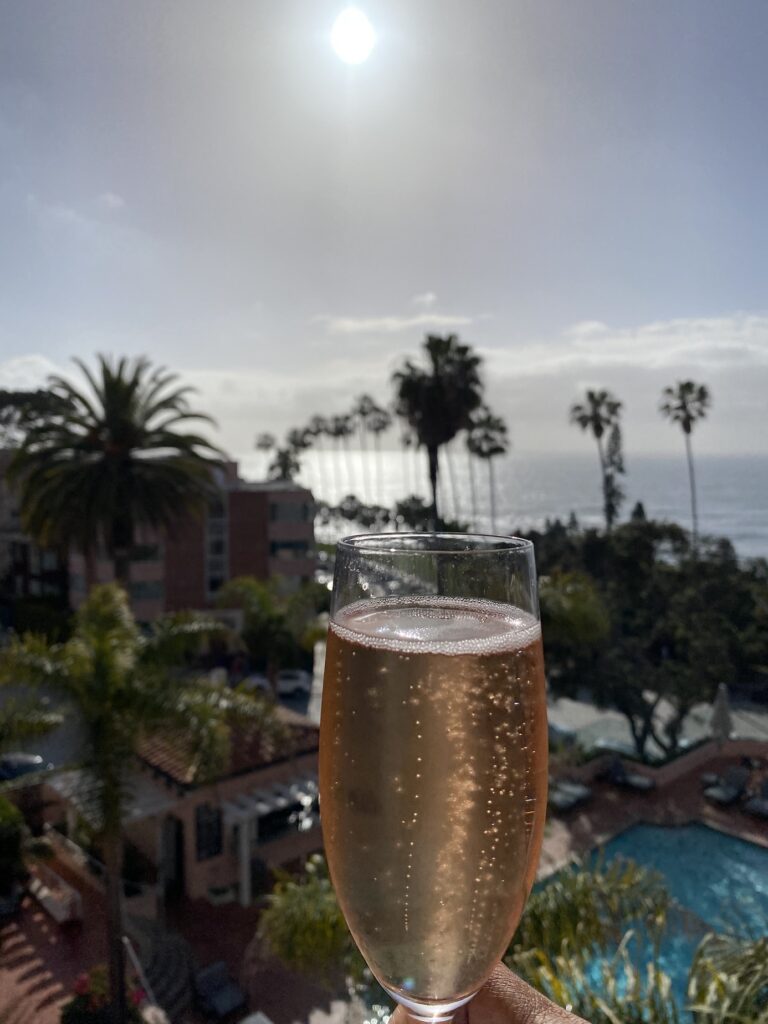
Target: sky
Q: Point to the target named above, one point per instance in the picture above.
(576, 189)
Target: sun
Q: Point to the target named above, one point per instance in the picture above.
(352, 36)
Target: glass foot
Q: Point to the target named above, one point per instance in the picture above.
(429, 1013)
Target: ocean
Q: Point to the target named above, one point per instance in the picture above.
(732, 490)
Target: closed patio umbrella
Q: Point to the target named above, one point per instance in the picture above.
(721, 722)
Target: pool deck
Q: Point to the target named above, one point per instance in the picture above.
(680, 801)
(39, 960)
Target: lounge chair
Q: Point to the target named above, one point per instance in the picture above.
(730, 787)
(759, 804)
(217, 993)
(619, 776)
(564, 796)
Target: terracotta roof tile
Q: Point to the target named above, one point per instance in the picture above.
(176, 761)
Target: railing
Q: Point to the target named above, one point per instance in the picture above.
(139, 899)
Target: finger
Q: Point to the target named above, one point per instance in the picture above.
(504, 999)
(507, 999)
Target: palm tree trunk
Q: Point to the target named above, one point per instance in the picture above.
(115, 950)
(432, 460)
(407, 474)
(318, 446)
(350, 467)
(604, 479)
(472, 488)
(122, 568)
(334, 453)
(692, 481)
(379, 470)
(452, 480)
(492, 486)
(90, 568)
(366, 473)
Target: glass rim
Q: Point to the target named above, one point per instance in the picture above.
(391, 543)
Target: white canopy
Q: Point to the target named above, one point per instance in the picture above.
(259, 802)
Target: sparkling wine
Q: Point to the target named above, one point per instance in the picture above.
(433, 774)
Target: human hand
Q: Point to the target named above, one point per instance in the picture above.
(504, 999)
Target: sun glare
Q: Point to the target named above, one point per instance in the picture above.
(352, 36)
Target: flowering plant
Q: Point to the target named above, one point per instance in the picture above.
(90, 1000)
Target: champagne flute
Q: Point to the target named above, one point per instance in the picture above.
(433, 756)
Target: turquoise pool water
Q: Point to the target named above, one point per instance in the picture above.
(721, 881)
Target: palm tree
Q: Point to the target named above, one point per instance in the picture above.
(121, 685)
(437, 402)
(341, 428)
(315, 431)
(379, 421)
(686, 404)
(406, 444)
(600, 415)
(285, 465)
(265, 443)
(116, 461)
(487, 437)
(472, 480)
(362, 411)
(298, 440)
(22, 720)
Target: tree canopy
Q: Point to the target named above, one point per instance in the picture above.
(115, 457)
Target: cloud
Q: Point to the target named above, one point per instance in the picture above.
(586, 329)
(24, 373)
(110, 201)
(391, 324)
(695, 343)
(58, 213)
(531, 385)
(424, 299)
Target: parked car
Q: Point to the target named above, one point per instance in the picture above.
(12, 766)
(293, 680)
(256, 681)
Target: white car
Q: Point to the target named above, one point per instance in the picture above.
(293, 680)
(256, 681)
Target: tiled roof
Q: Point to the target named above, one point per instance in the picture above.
(173, 759)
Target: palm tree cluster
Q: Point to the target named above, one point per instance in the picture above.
(367, 419)
(600, 414)
(435, 402)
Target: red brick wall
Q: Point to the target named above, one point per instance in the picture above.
(185, 565)
(248, 534)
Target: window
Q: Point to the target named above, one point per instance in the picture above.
(279, 823)
(216, 509)
(49, 561)
(285, 549)
(146, 590)
(215, 583)
(208, 832)
(289, 512)
(216, 546)
(145, 553)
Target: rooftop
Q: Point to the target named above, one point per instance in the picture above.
(249, 750)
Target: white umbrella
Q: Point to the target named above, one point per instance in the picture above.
(720, 721)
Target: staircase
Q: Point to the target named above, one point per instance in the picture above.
(168, 966)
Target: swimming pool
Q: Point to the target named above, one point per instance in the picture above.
(722, 883)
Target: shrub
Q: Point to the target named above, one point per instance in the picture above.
(11, 839)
